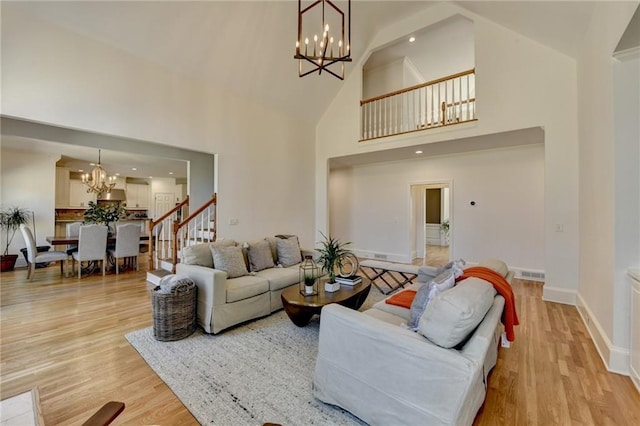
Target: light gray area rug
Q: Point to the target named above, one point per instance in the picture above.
(256, 373)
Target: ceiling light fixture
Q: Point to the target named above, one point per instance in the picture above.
(325, 51)
(418, 152)
(98, 181)
(412, 39)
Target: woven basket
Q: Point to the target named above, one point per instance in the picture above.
(174, 315)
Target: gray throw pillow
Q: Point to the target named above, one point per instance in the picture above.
(427, 292)
(453, 314)
(260, 257)
(288, 251)
(230, 260)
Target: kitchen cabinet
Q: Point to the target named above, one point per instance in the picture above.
(62, 187)
(121, 183)
(78, 196)
(137, 196)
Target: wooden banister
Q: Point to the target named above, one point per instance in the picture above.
(154, 223)
(418, 86)
(178, 226)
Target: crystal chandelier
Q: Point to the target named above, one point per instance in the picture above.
(98, 181)
(321, 52)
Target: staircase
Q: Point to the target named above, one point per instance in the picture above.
(169, 235)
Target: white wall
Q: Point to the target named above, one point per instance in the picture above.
(55, 76)
(603, 296)
(28, 181)
(507, 221)
(519, 84)
(384, 79)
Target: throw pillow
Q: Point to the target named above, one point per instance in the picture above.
(453, 314)
(288, 251)
(260, 256)
(198, 254)
(230, 260)
(426, 294)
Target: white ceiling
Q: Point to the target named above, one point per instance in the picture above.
(77, 158)
(247, 46)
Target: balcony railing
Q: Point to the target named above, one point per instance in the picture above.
(442, 102)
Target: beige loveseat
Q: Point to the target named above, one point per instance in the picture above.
(232, 296)
(370, 364)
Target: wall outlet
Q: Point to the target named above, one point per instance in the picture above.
(559, 227)
(233, 221)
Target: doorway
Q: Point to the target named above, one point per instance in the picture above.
(431, 223)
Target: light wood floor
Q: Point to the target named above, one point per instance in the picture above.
(66, 336)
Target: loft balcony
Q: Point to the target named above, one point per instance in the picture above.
(442, 102)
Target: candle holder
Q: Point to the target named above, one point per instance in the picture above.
(309, 273)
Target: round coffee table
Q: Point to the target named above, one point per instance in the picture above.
(301, 308)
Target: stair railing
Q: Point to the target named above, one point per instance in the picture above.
(200, 227)
(441, 102)
(161, 235)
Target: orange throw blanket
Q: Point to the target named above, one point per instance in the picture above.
(404, 299)
(509, 314)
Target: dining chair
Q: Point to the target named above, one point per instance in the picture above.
(127, 243)
(92, 246)
(34, 257)
(73, 230)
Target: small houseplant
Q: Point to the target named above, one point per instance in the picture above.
(331, 254)
(444, 228)
(100, 214)
(10, 219)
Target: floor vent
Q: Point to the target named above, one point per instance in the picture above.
(531, 275)
(380, 256)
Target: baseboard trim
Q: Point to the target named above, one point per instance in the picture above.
(389, 257)
(559, 295)
(614, 358)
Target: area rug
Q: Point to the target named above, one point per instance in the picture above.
(256, 373)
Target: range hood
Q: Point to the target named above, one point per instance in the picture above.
(113, 195)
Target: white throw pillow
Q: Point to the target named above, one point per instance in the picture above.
(496, 265)
(288, 251)
(198, 254)
(425, 295)
(230, 260)
(453, 314)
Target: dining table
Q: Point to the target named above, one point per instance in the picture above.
(60, 240)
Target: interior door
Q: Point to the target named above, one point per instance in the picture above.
(164, 201)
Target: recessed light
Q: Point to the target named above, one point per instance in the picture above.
(92, 164)
(117, 174)
(170, 173)
(150, 177)
(412, 39)
(134, 169)
(80, 170)
(418, 152)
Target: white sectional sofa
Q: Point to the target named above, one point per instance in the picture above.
(371, 365)
(224, 301)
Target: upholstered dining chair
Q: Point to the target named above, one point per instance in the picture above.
(92, 246)
(34, 257)
(73, 230)
(127, 243)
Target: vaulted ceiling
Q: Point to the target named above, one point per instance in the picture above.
(247, 47)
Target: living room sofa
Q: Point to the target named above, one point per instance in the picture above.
(372, 365)
(229, 297)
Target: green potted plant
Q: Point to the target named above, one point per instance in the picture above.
(10, 219)
(331, 253)
(102, 214)
(444, 228)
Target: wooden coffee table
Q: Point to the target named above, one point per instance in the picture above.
(301, 308)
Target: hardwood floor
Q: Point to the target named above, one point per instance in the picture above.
(66, 336)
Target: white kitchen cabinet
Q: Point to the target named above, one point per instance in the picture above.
(78, 196)
(62, 187)
(121, 182)
(137, 196)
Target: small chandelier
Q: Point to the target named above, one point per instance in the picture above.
(320, 52)
(98, 181)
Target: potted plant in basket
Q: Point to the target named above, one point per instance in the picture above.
(10, 219)
(331, 254)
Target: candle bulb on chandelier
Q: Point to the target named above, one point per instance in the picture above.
(340, 47)
(306, 45)
(315, 44)
(331, 47)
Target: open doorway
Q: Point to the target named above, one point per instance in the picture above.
(431, 223)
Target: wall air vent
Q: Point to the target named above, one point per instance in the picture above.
(532, 275)
(380, 256)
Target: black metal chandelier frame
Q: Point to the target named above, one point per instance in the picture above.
(319, 58)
